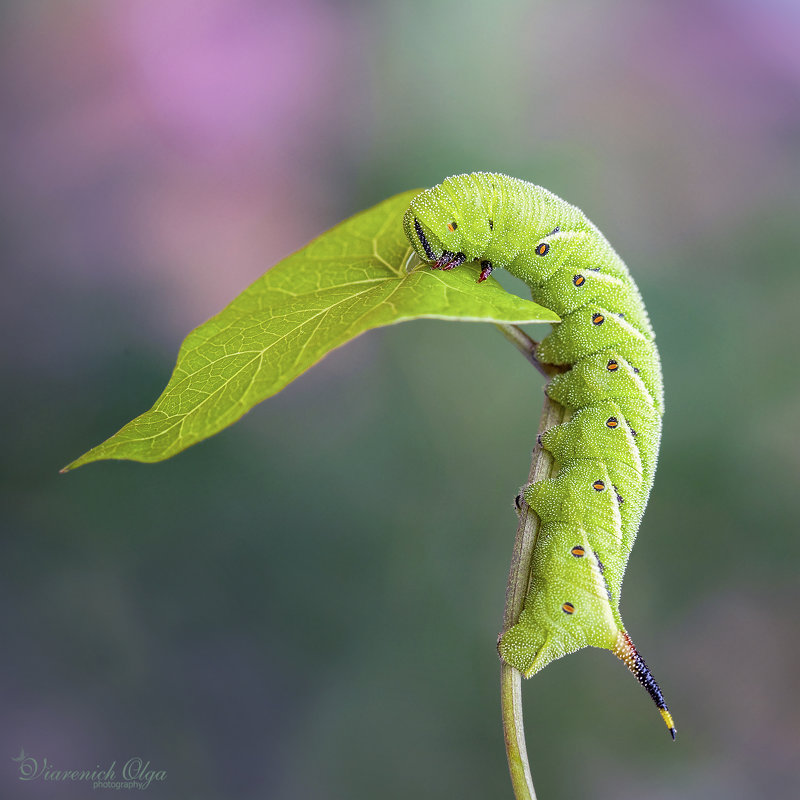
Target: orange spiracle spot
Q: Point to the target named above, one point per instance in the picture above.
(579, 551)
(612, 422)
(568, 608)
(579, 280)
(598, 486)
(612, 366)
(598, 319)
(542, 249)
(451, 226)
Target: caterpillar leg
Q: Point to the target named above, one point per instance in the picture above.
(486, 271)
(518, 503)
(448, 260)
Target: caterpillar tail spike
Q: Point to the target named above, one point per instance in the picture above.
(626, 652)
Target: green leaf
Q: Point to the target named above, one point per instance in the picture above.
(348, 280)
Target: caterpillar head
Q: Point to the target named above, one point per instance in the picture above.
(441, 230)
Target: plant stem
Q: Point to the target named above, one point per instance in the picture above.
(519, 578)
(526, 346)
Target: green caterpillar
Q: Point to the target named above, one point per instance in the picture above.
(610, 388)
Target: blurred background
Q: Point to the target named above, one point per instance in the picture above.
(307, 604)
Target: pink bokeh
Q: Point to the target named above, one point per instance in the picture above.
(175, 143)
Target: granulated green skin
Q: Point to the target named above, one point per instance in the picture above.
(605, 455)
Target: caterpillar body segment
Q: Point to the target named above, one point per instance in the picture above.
(605, 454)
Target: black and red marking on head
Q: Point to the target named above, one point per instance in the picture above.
(626, 652)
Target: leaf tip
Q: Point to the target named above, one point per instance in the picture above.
(72, 465)
(86, 458)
